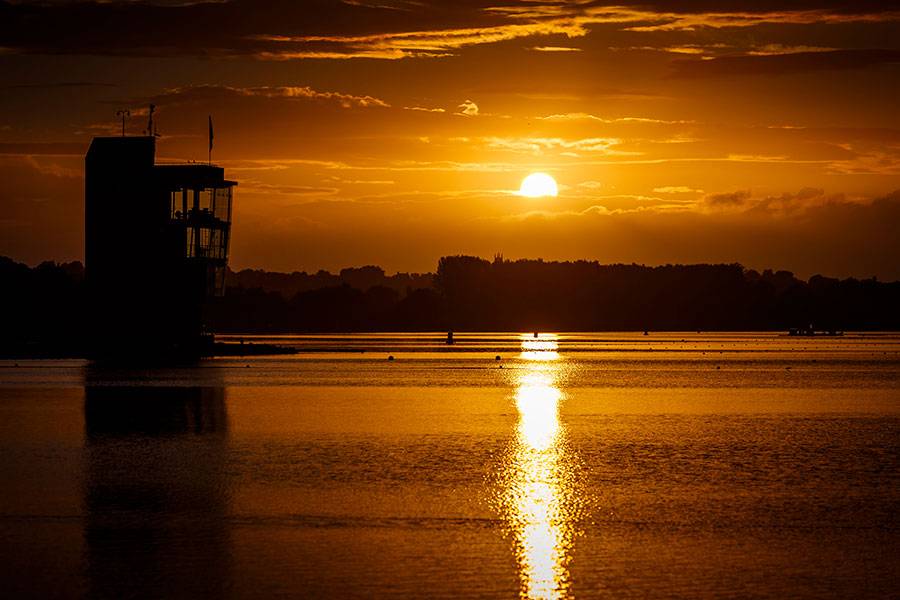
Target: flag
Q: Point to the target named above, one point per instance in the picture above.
(210, 133)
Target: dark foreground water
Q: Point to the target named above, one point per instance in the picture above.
(723, 465)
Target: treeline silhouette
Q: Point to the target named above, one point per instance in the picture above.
(589, 296)
(43, 307)
(469, 293)
(362, 278)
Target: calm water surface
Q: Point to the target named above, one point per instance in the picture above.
(613, 465)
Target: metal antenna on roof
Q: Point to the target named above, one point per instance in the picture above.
(150, 129)
(123, 113)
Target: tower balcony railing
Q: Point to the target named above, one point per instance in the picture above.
(207, 243)
(199, 218)
(201, 206)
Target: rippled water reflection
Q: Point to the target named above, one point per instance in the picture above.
(539, 494)
(576, 465)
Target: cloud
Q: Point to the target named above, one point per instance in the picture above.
(790, 203)
(41, 211)
(595, 209)
(755, 158)
(774, 49)
(410, 44)
(205, 93)
(786, 203)
(381, 54)
(838, 238)
(345, 100)
(536, 145)
(363, 181)
(54, 169)
(686, 21)
(254, 186)
(780, 64)
(280, 164)
(729, 199)
(676, 189)
(58, 85)
(709, 51)
(581, 116)
(468, 109)
(592, 185)
(43, 148)
(327, 29)
(555, 49)
(426, 109)
(554, 20)
(884, 161)
(689, 49)
(449, 166)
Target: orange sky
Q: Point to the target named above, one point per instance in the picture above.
(395, 132)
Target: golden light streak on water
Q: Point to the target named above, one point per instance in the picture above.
(542, 348)
(538, 495)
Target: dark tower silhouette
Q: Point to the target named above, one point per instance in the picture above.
(156, 248)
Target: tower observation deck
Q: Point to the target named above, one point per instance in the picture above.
(156, 248)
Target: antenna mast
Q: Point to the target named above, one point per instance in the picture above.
(150, 130)
(123, 113)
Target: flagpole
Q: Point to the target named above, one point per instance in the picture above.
(209, 160)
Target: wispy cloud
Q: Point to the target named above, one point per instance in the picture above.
(254, 186)
(775, 49)
(676, 189)
(388, 30)
(784, 63)
(555, 49)
(468, 109)
(785, 204)
(737, 198)
(204, 93)
(410, 44)
(424, 109)
(43, 148)
(538, 145)
(662, 21)
(580, 116)
(537, 20)
(58, 85)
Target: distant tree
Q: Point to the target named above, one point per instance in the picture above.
(363, 278)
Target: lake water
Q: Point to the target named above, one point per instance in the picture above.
(611, 465)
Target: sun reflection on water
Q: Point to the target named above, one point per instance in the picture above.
(539, 498)
(541, 348)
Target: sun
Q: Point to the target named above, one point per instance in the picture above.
(538, 185)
